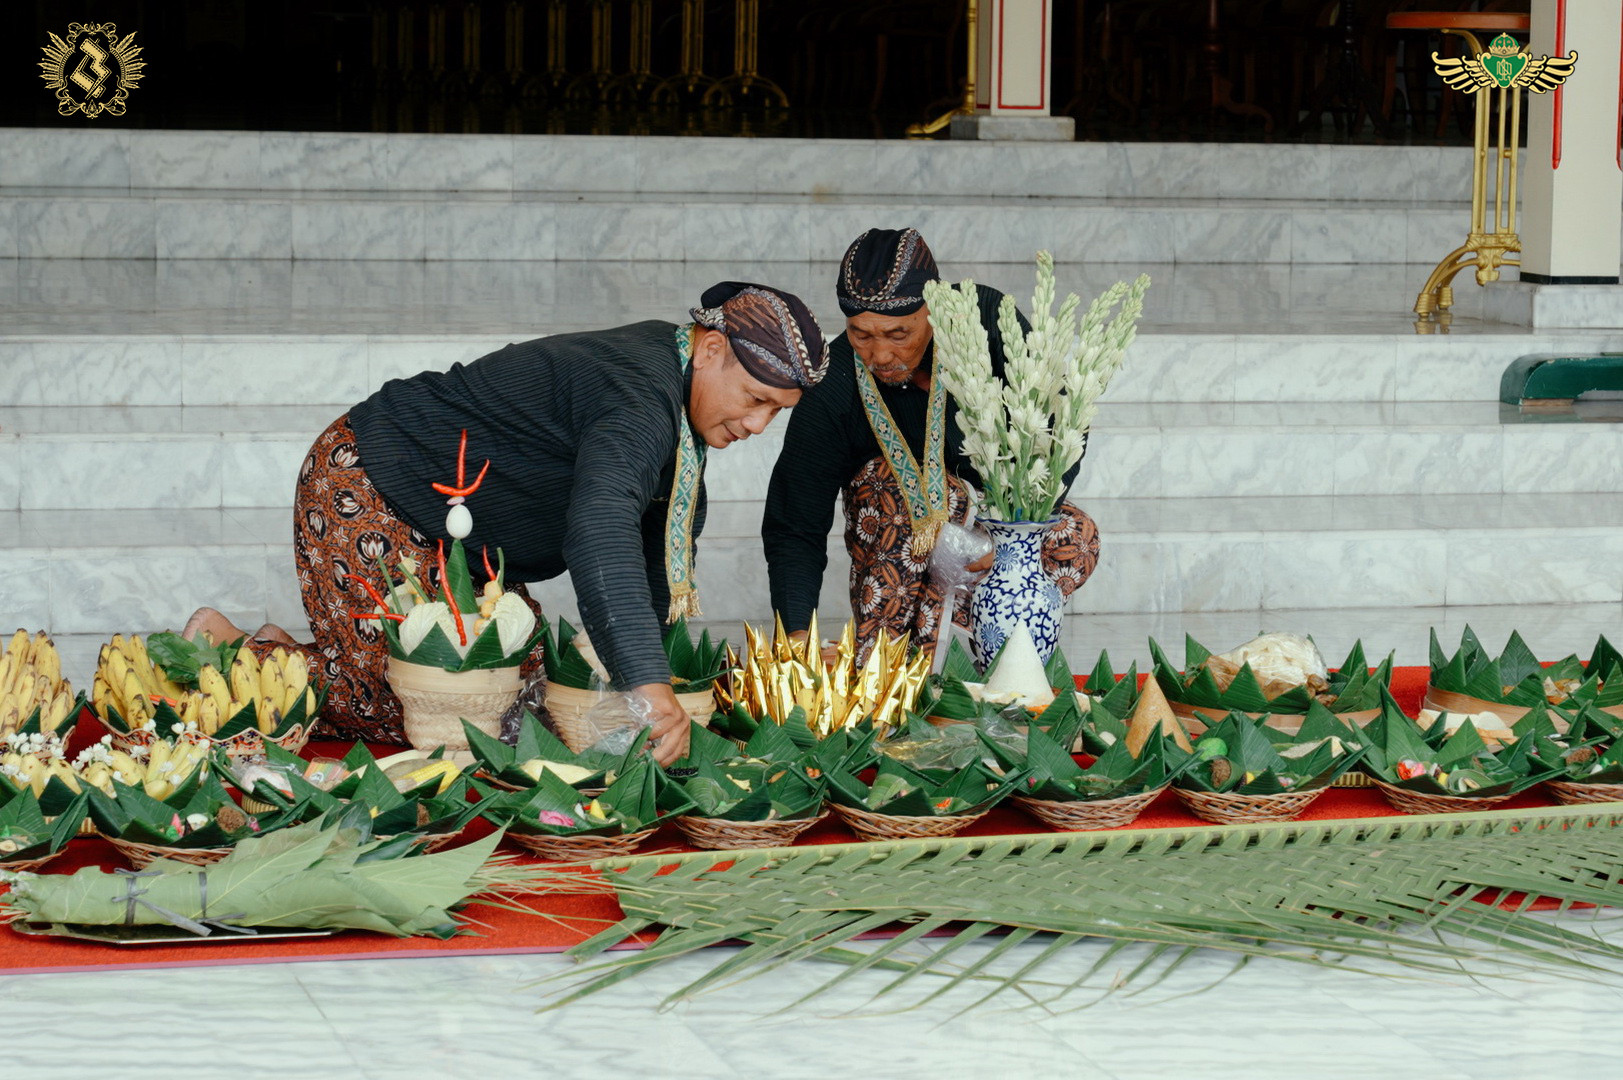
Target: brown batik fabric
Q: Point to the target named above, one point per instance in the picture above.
(890, 587)
(341, 526)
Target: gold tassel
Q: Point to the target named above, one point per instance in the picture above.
(925, 533)
(684, 602)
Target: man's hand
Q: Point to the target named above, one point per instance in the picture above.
(669, 739)
(831, 653)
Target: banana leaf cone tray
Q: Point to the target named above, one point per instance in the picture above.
(719, 834)
(1079, 814)
(870, 826)
(1419, 802)
(140, 855)
(1233, 808)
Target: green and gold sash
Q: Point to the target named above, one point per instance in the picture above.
(684, 502)
(925, 491)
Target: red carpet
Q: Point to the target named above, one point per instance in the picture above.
(571, 918)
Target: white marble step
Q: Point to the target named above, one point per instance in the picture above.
(82, 571)
(1551, 631)
(117, 457)
(542, 226)
(189, 298)
(356, 161)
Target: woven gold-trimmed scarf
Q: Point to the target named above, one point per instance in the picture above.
(924, 490)
(684, 502)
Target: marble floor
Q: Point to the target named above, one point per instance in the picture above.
(474, 1017)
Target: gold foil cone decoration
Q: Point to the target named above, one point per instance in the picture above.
(777, 675)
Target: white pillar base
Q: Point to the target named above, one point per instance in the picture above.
(1552, 307)
(1014, 128)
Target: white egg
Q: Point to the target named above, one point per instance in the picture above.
(459, 522)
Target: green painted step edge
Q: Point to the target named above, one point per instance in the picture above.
(1552, 376)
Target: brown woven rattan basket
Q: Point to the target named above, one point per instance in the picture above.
(568, 706)
(580, 848)
(719, 834)
(140, 855)
(23, 866)
(1415, 802)
(1229, 808)
(1079, 814)
(870, 826)
(1572, 792)
(434, 702)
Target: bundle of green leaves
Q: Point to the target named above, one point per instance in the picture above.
(320, 875)
(182, 658)
(694, 665)
(899, 791)
(1592, 746)
(1242, 756)
(639, 798)
(767, 782)
(199, 813)
(1432, 761)
(431, 799)
(1516, 677)
(28, 832)
(1353, 687)
(537, 751)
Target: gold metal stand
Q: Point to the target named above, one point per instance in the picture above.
(967, 107)
(691, 77)
(745, 78)
(1484, 249)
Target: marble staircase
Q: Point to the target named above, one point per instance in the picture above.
(1283, 449)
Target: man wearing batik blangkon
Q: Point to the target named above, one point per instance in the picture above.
(879, 415)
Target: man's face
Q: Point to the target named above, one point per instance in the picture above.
(727, 403)
(892, 346)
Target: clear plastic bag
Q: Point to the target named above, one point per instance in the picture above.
(617, 720)
(956, 746)
(956, 547)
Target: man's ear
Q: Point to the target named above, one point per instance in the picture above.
(709, 348)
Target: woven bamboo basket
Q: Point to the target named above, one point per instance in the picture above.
(434, 702)
(1079, 814)
(870, 826)
(1414, 802)
(24, 866)
(722, 835)
(1572, 792)
(580, 848)
(140, 855)
(1229, 808)
(568, 707)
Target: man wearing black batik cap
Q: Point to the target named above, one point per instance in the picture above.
(596, 446)
(882, 432)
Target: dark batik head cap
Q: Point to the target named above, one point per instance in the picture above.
(884, 271)
(773, 333)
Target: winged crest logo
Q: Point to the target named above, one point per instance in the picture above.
(1506, 64)
(92, 71)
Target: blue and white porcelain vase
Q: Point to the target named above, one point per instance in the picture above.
(1018, 592)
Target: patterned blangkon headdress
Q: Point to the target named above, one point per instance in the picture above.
(884, 271)
(773, 333)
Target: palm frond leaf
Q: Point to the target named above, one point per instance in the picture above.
(1364, 894)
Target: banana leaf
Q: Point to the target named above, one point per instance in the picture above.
(1240, 755)
(899, 791)
(166, 720)
(1390, 891)
(564, 662)
(638, 798)
(321, 875)
(1516, 677)
(1393, 740)
(32, 725)
(740, 724)
(1117, 694)
(1354, 687)
(484, 651)
(29, 831)
(694, 665)
(429, 808)
(536, 743)
(1051, 773)
(131, 814)
(753, 790)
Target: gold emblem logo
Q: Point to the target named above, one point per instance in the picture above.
(92, 71)
(1506, 64)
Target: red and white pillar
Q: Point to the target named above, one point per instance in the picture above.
(1014, 74)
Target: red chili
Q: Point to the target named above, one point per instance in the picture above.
(370, 591)
(463, 489)
(450, 598)
(484, 553)
(379, 615)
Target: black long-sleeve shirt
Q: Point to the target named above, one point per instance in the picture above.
(827, 442)
(580, 431)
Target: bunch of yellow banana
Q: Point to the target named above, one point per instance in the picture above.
(31, 678)
(168, 765)
(34, 771)
(130, 682)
